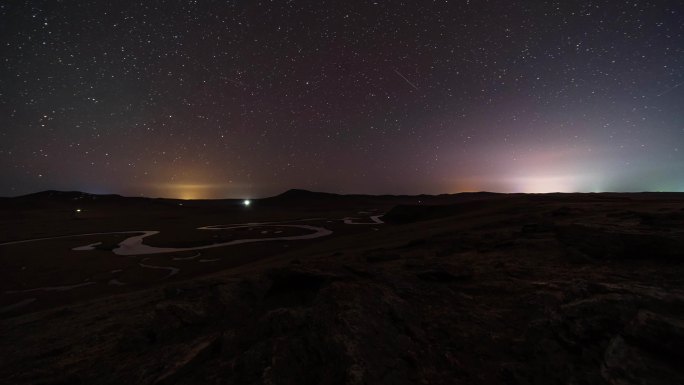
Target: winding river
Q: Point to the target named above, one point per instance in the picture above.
(134, 245)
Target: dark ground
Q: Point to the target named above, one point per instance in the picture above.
(463, 289)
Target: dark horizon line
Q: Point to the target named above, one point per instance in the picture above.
(304, 191)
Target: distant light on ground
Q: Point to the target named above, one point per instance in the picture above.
(78, 210)
(246, 202)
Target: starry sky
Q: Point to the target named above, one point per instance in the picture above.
(221, 99)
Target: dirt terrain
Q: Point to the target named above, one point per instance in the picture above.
(456, 289)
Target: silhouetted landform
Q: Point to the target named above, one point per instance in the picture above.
(306, 197)
(473, 288)
(68, 195)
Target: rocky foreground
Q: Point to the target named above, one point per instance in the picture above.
(540, 290)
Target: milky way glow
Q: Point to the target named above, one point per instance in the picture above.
(226, 99)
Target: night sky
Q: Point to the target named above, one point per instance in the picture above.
(211, 99)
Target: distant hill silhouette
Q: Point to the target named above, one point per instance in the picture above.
(289, 198)
(299, 194)
(68, 195)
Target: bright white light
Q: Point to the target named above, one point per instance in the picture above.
(246, 202)
(78, 210)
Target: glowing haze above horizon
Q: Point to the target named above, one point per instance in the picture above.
(212, 99)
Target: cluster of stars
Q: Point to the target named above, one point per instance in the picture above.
(249, 98)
